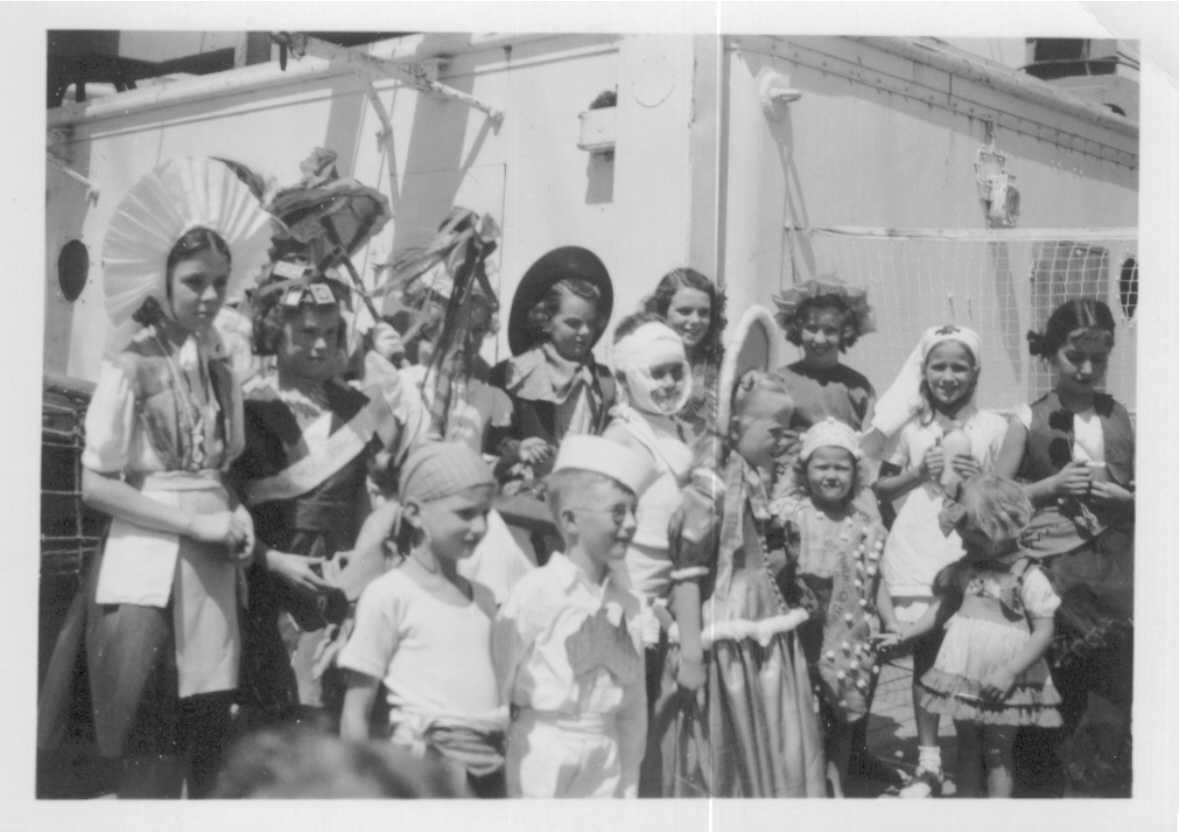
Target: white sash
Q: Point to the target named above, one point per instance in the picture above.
(326, 457)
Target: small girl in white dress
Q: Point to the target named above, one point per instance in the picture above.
(990, 675)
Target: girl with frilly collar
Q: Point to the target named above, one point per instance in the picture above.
(160, 608)
(558, 313)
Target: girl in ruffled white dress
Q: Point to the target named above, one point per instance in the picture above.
(990, 674)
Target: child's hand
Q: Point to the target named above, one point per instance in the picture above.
(933, 463)
(690, 675)
(387, 342)
(534, 450)
(296, 570)
(886, 642)
(965, 466)
(1111, 493)
(242, 527)
(997, 685)
(1074, 478)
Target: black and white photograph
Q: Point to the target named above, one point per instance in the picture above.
(672, 411)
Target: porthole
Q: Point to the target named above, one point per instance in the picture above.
(73, 268)
(1128, 287)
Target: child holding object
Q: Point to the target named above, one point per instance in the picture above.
(1073, 448)
(990, 675)
(944, 438)
(424, 631)
(567, 645)
(837, 551)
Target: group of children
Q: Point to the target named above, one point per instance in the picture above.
(731, 576)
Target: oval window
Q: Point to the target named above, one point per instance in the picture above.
(1128, 287)
(73, 267)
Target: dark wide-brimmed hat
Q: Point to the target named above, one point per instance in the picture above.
(559, 264)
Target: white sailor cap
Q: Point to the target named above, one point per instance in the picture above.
(606, 457)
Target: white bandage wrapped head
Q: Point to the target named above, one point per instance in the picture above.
(903, 398)
(650, 358)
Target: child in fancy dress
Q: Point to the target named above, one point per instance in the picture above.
(556, 388)
(737, 635)
(1073, 449)
(944, 438)
(567, 644)
(824, 318)
(837, 552)
(990, 675)
(654, 381)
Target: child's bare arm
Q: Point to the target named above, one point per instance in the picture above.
(359, 694)
(927, 623)
(888, 618)
(685, 606)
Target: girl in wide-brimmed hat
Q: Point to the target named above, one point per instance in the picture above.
(557, 388)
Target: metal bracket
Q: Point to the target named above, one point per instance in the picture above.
(422, 76)
(92, 190)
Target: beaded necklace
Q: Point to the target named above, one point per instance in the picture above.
(192, 417)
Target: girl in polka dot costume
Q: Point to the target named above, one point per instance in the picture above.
(835, 547)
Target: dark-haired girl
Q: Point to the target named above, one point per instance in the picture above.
(1074, 450)
(694, 307)
(159, 610)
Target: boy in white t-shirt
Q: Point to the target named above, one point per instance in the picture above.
(423, 630)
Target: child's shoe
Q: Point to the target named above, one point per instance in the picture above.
(925, 783)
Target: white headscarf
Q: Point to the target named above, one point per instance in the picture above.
(903, 398)
(651, 345)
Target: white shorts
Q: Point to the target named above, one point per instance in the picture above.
(553, 757)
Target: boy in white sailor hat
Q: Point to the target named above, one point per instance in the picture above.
(567, 645)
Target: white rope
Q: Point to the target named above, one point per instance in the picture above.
(997, 235)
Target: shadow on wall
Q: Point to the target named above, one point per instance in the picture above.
(599, 179)
(435, 147)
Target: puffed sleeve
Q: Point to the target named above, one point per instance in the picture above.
(1039, 599)
(110, 421)
(694, 535)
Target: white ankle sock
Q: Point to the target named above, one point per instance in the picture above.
(929, 758)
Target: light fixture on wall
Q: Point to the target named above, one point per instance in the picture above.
(775, 93)
(599, 124)
(996, 187)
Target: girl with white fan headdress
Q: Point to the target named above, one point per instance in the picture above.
(161, 624)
